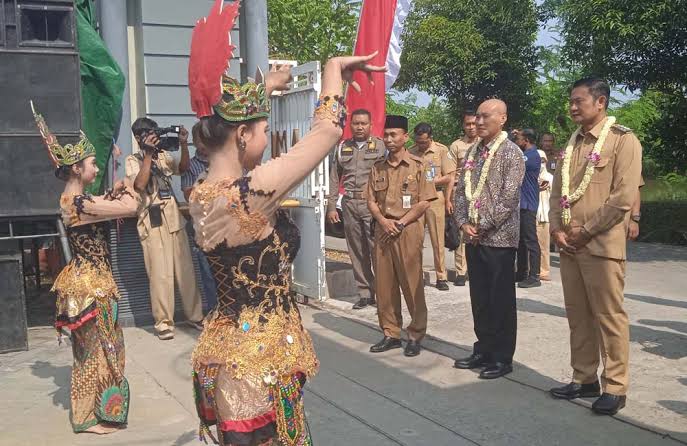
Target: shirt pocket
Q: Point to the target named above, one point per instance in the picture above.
(345, 158)
(381, 184)
(603, 172)
(371, 156)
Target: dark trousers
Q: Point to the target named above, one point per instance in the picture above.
(492, 294)
(529, 253)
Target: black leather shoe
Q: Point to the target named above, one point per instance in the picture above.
(530, 282)
(460, 281)
(362, 303)
(442, 285)
(608, 404)
(574, 390)
(412, 348)
(386, 344)
(496, 370)
(474, 361)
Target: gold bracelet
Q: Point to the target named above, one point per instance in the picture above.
(331, 108)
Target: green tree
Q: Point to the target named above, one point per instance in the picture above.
(666, 137)
(445, 127)
(641, 45)
(637, 43)
(306, 30)
(467, 51)
(549, 111)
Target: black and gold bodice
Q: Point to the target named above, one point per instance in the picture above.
(89, 243)
(87, 278)
(255, 329)
(256, 274)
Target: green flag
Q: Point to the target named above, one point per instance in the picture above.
(102, 87)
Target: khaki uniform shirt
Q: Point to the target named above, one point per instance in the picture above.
(457, 151)
(604, 208)
(171, 216)
(436, 162)
(397, 188)
(352, 165)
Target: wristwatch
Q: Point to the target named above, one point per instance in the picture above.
(400, 226)
(635, 217)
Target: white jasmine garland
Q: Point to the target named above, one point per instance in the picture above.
(473, 196)
(567, 198)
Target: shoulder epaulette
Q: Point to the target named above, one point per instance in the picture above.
(622, 128)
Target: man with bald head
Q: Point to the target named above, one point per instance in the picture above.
(487, 209)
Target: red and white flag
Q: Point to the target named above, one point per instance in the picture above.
(380, 28)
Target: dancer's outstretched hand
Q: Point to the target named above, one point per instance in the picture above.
(351, 64)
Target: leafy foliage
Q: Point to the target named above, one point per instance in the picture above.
(641, 45)
(637, 43)
(307, 30)
(445, 126)
(468, 51)
(549, 111)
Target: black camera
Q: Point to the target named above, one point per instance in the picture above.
(168, 143)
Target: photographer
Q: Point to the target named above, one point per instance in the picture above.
(161, 226)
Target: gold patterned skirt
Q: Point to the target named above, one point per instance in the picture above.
(78, 287)
(87, 305)
(248, 376)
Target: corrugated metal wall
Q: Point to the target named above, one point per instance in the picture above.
(130, 275)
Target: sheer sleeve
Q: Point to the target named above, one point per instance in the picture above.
(276, 178)
(241, 210)
(85, 209)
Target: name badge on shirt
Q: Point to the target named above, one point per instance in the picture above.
(429, 174)
(406, 202)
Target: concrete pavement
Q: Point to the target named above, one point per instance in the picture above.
(356, 399)
(656, 304)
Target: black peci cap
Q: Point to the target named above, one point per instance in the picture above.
(396, 122)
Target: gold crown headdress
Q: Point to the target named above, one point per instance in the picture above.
(62, 155)
(212, 90)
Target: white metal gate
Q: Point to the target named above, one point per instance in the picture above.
(291, 116)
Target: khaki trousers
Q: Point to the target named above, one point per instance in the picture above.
(544, 238)
(399, 264)
(459, 258)
(593, 290)
(435, 220)
(168, 255)
(357, 220)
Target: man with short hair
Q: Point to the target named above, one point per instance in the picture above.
(487, 211)
(529, 254)
(439, 171)
(456, 155)
(352, 162)
(547, 143)
(543, 234)
(166, 249)
(398, 194)
(590, 213)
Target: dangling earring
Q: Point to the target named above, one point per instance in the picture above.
(242, 145)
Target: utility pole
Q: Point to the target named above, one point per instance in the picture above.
(255, 13)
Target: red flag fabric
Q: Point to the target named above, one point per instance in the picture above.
(374, 33)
